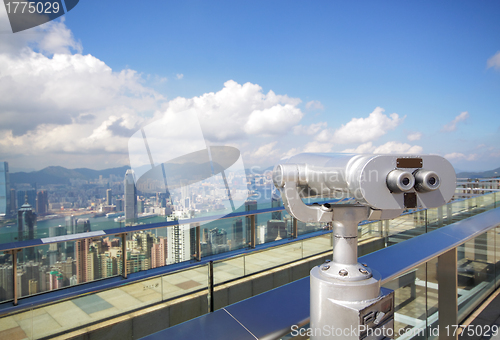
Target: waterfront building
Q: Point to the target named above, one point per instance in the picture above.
(130, 198)
(109, 198)
(26, 222)
(4, 190)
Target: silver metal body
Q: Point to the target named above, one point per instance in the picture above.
(346, 295)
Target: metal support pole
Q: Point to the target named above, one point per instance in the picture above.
(210, 286)
(252, 232)
(124, 255)
(447, 294)
(198, 242)
(14, 273)
(295, 231)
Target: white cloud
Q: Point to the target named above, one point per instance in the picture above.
(264, 154)
(457, 156)
(396, 147)
(56, 101)
(387, 148)
(58, 39)
(310, 130)
(452, 126)
(276, 120)
(363, 148)
(316, 146)
(494, 61)
(57, 90)
(314, 105)
(361, 130)
(179, 76)
(265, 150)
(238, 111)
(51, 37)
(414, 136)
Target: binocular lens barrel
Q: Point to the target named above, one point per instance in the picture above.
(426, 181)
(400, 181)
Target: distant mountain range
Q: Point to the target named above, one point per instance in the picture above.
(485, 174)
(61, 175)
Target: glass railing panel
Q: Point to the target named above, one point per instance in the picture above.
(277, 226)
(471, 206)
(488, 201)
(157, 247)
(476, 272)
(368, 230)
(6, 278)
(405, 227)
(184, 282)
(58, 265)
(410, 304)
(306, 228)
(317, 245)
(229, 270)
(433, 221)
(224, 235)
(273, 257)
(459, 210)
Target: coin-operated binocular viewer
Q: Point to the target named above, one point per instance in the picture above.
(346, 299)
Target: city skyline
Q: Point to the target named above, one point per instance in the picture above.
(367, 78)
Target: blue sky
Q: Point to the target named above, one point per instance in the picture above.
(344, 68)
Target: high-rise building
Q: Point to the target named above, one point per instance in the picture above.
(42, 203)
(119, 204)
(57, 251)
(13, 202)
(275, 203)
(109, 200)
(130, 198)
(107, 265)
(140, 206)
(26, 222)
(159, 253)
(276, 230)
(82, 225)
(179, 246)
(21, 197)
(6, 282)
(249, 206)
(81, 258)
(5, 208)
(238, 233)
(217, 238)
(33, 287)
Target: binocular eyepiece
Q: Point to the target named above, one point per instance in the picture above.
(399, 181)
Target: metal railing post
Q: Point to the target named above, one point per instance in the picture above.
(252, 231)
(14, 273)
(210, 286)
(124, 255)
(295, 231)
(447, 294)
(198, 242)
